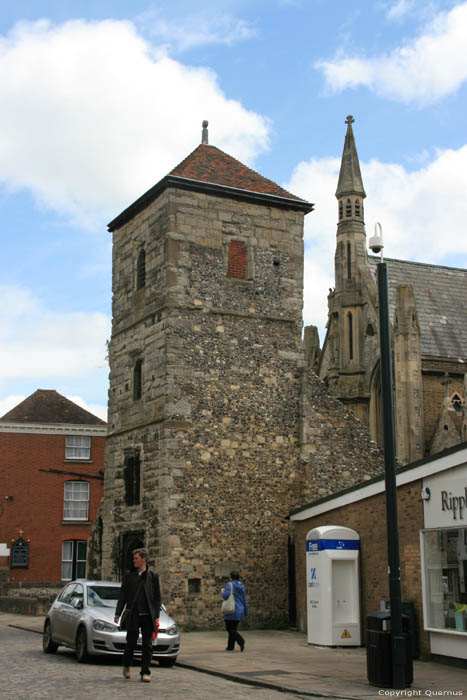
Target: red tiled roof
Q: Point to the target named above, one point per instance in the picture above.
(48, 406)
(210, 164)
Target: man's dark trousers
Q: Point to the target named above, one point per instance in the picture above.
(146, 623)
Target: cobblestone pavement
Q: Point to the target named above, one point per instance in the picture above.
(29, 674)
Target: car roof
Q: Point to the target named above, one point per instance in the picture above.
(85, 582)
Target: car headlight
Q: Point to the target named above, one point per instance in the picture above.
(104, 626)
(172, 630)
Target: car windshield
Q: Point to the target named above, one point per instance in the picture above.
(103, 596)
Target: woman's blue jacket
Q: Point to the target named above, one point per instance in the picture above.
(241, 604)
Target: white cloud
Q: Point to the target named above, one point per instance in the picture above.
(36, 343)
(96, 409)
(195, 30)
(92, 115)
(422, 213)
(399, 9)
(423, 71)
(9, 402)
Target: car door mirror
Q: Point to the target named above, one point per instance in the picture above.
(77, 603)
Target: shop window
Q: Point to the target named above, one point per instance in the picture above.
(78, 447)
(131, 472)
(237, 260)
(141, 269)
(76, 501)
(445, 562)
(73, 560)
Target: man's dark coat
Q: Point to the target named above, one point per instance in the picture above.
(150, 589)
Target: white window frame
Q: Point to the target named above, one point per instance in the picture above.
(78, 447)
(71, 564)
(76, 500)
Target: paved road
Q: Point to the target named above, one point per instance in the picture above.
(29, 674)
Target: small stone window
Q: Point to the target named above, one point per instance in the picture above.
(138, 379)
(357, 208)
(349, 261)
(132, 479)
(348, 208)
(350, 325)
(341, 210)
(194, 586)
(141, 269)
(237, 262)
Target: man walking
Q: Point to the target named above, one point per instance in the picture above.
(141, 594)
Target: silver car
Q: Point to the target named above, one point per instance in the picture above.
(82, 618)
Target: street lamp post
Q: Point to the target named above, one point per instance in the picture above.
(397, 639)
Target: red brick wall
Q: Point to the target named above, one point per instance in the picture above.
(237, 262)
(37, 505)
(368, 518)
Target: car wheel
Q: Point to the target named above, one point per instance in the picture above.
(82, 653)
(48, 643)
(167, 663)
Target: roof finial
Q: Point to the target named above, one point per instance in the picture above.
(204, 135)
(350, 120)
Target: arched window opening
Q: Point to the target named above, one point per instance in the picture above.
(348, 208)
(350, 330)
(341, 209)
(456, 402)
(357, 208)
(349, 261)
(141, 269)
(137, 379)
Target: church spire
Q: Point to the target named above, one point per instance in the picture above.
(350, 178)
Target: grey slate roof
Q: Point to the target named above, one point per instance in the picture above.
(440, 295)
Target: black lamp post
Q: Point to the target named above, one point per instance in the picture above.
(397, 638)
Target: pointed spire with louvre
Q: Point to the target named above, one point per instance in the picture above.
(350, 178)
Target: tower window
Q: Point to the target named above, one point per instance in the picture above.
(141, 269)
(349, 320)
(357, 208)
(341, 210)
(456, 402)
(237, 261)
(349, 261)
(137, 379)
(131, 474)
(348, 208)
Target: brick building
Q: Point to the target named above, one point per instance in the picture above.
(432, 515)
(429, 331)
(52, 461)
(217, 427)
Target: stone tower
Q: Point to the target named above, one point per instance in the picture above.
(202, 460)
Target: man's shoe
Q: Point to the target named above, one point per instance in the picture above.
(126, 672)
(242, 646)
(145, 678)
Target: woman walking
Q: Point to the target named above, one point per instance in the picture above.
(241, 611)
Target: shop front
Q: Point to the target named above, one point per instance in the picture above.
(443, 548)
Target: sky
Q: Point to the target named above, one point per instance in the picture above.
(100, 99)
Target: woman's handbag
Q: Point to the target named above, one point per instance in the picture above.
(228, 606)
